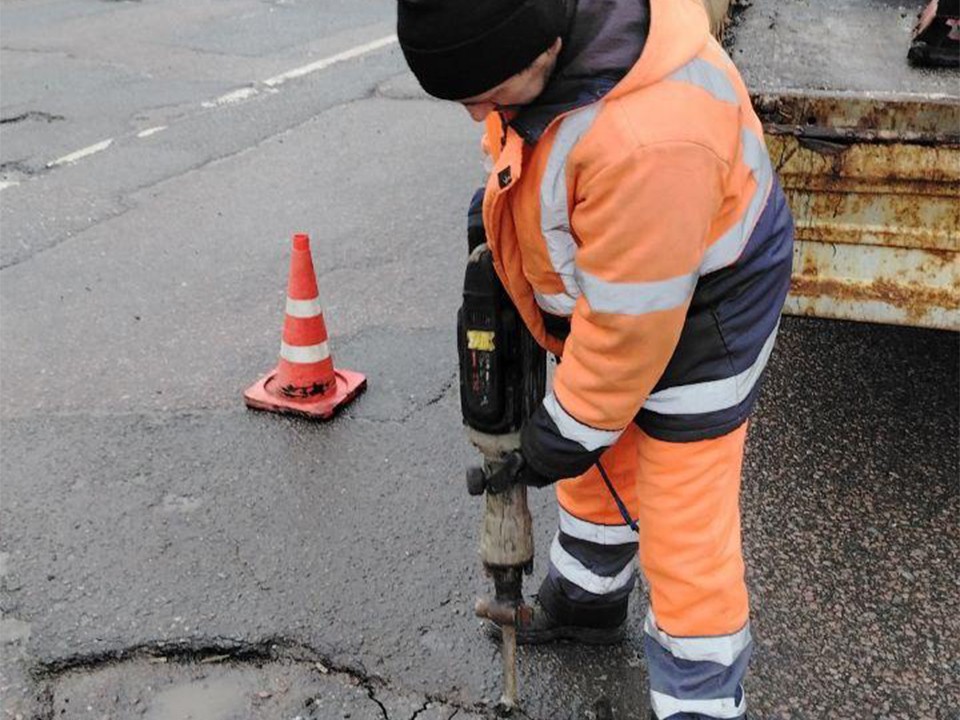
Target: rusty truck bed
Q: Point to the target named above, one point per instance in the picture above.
(868, 150)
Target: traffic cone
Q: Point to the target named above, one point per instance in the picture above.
(305, 381)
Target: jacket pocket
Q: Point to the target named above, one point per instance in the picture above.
(701, 353)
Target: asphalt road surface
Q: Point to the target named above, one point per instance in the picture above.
(166, 553)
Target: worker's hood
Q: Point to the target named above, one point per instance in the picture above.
(603, 40)
(612, 47)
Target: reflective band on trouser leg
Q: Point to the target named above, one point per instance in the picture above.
(588, 583)
(573, 527)
(696, 676)
(697, 636)
(602, 570)
(592, 560)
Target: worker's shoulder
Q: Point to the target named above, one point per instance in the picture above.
(658, 118)
(673, 112)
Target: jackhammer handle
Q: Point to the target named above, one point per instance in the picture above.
(502, 477)
(503, 613)
(499, 612)
(476, 480)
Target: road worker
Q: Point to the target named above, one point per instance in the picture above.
(637, 224)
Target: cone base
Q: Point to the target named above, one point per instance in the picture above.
(259, 396)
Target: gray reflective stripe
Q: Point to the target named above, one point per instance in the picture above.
(693, 680)
(712, 395)
(701, 73)
(603, 560)
(304, 353)
(554, 212)
(666, 705)
(643, 297)
(303, 308)
(721, 649)
(728, 247)
(574, 571)
(636, 298)
(590, 438)
(592, 532)
(559, 304)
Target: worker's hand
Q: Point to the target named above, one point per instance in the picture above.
(517, 471)
(513, 470)
(526, 475)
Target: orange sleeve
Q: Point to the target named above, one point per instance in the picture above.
(642, 224)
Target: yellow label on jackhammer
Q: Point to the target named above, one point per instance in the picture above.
(480, 340)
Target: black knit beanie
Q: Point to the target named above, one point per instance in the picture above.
(461, 48)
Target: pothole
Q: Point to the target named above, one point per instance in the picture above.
(266, 681)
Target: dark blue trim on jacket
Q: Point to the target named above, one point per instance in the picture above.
(733, 312)
(549, 453)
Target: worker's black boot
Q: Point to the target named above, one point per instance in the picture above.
(541, 627)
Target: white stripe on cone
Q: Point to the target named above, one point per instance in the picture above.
(304, 354)
(304, 308)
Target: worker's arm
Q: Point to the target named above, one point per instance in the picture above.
(641, 224)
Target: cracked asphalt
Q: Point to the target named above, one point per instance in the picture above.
(157, 687)
(165, 553)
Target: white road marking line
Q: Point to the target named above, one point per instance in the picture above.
(82, 153)
(151, 131)
(332, 60)
(4, 184)
(232, 97)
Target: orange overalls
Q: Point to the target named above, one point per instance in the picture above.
(652, 220)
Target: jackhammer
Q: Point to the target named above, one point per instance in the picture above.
(502, 381)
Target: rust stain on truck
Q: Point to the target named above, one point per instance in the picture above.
(914, 302)
(874, 184)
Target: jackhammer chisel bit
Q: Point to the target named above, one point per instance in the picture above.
(506, 548)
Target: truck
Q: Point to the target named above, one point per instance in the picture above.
(867, 148)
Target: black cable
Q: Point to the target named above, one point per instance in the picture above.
(616, 498)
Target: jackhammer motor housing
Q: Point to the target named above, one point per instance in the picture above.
(502, 369)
